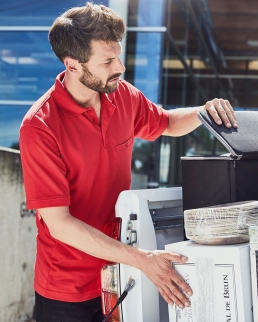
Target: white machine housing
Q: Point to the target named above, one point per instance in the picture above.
(151, 218)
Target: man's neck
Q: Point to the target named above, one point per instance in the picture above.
(81, 94)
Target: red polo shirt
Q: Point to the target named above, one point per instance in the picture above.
(71, 159)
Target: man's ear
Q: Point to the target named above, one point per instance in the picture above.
(71, 64)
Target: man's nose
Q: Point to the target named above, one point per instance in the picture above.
(119, 67)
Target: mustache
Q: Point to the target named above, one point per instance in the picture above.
(114, 76)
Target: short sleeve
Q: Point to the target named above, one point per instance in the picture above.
(43, 169)
(151, 120)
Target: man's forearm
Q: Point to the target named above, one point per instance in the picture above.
(156, 265)
(71, 231)
(183, 121)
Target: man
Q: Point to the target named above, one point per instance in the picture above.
(76, 147)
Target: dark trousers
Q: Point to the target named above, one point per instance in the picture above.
(48, 310)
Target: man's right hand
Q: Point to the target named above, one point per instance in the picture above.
(158, 268)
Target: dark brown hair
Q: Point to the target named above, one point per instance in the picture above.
(71, 33)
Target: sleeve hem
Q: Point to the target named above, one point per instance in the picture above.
(162, 127)
(164, 123)
(45, 203)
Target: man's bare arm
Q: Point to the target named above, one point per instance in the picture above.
(156, 265)
(185, 120)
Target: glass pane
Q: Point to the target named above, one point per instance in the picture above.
(146, 13)
(28, 67)
(143, 161)
(28, 58)
(210, 50)
(143, 51)
(35, 13)
(143, 70)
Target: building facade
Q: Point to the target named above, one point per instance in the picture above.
(177, 52)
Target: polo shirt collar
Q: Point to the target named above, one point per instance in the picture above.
(66, 103)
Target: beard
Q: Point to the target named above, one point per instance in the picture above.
(96, 84)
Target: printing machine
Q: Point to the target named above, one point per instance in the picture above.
(151, 218)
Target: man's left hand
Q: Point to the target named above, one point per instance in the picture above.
(222, 112)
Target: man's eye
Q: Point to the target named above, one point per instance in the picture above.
(108, 63)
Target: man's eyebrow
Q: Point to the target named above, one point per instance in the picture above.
(111, 58)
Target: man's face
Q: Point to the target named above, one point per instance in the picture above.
(101, 73)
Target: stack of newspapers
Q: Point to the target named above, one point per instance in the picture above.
(221, 224)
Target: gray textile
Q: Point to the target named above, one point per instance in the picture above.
(241, 142)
